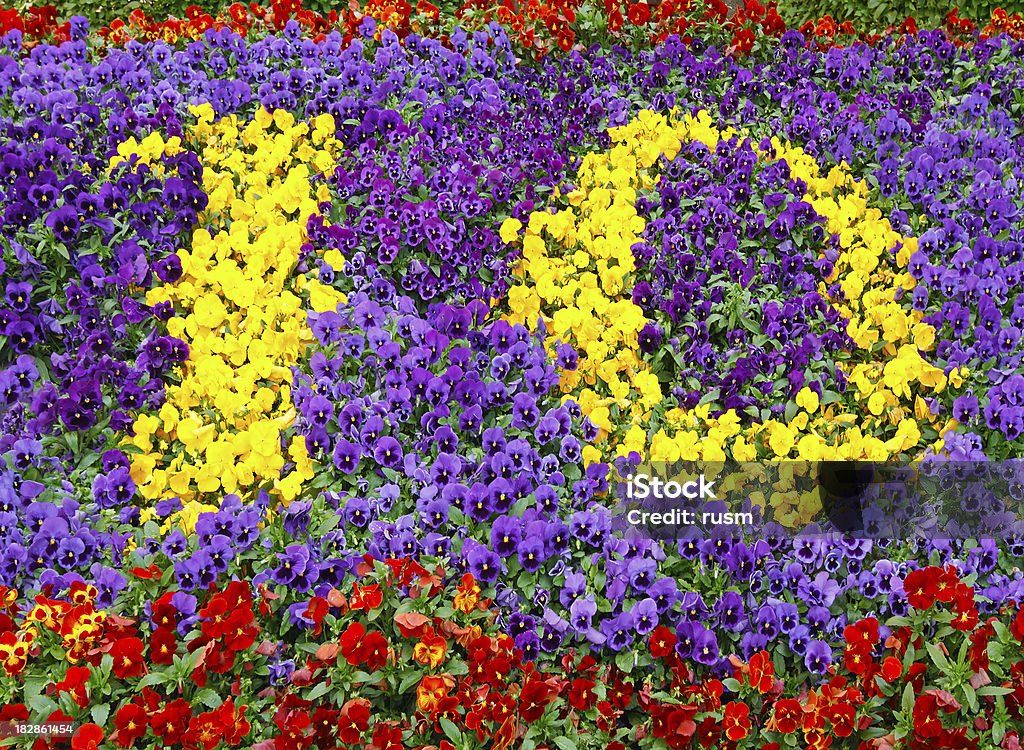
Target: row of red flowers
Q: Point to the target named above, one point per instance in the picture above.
(411, 657)
(539, 26)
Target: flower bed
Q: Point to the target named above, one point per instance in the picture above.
(325, 340)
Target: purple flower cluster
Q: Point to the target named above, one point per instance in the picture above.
(80, 244)
(79, 355)
(729, 271)
(423, 194)
(55, 543)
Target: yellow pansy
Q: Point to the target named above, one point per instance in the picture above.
(244, 319)
(807, 400)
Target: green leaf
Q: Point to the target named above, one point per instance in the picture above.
(106, 666)
(450, 730)
(625, 661)
(709, 397)
(37, 701)
(994, 690)
(208, 697)
(319, 690)
(100, 712)
(938, 658)
(328, 524)
(972, 698)
(907, 703)
(565, 743)
(151, 679)
(1002, 632)
(408, 681)
(88, 460)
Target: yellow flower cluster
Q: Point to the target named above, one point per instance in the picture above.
(888, 378)
(871, 278)
(574, 274)
(148, 151)
(79, 624)
(242, 313)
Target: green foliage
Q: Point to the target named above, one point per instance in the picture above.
(323, 7)
(874, 15)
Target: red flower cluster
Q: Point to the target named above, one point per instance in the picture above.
(825, 713)
(752, 21)
(77, 625)
(861, 639)
(239, 17)
(498, 689)
(677, 723)
(175, 724)
(228, 626)
(539, 26)
(493, 696)
(1004, 23)
(927, 723)
(163, 643)
(761, 672)
(741, 27)
(346, 692)
(91, 636)
(674, 724)
(359, 647)
(35, 23)
(826, 32)
(662, 642)
(926, 586)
